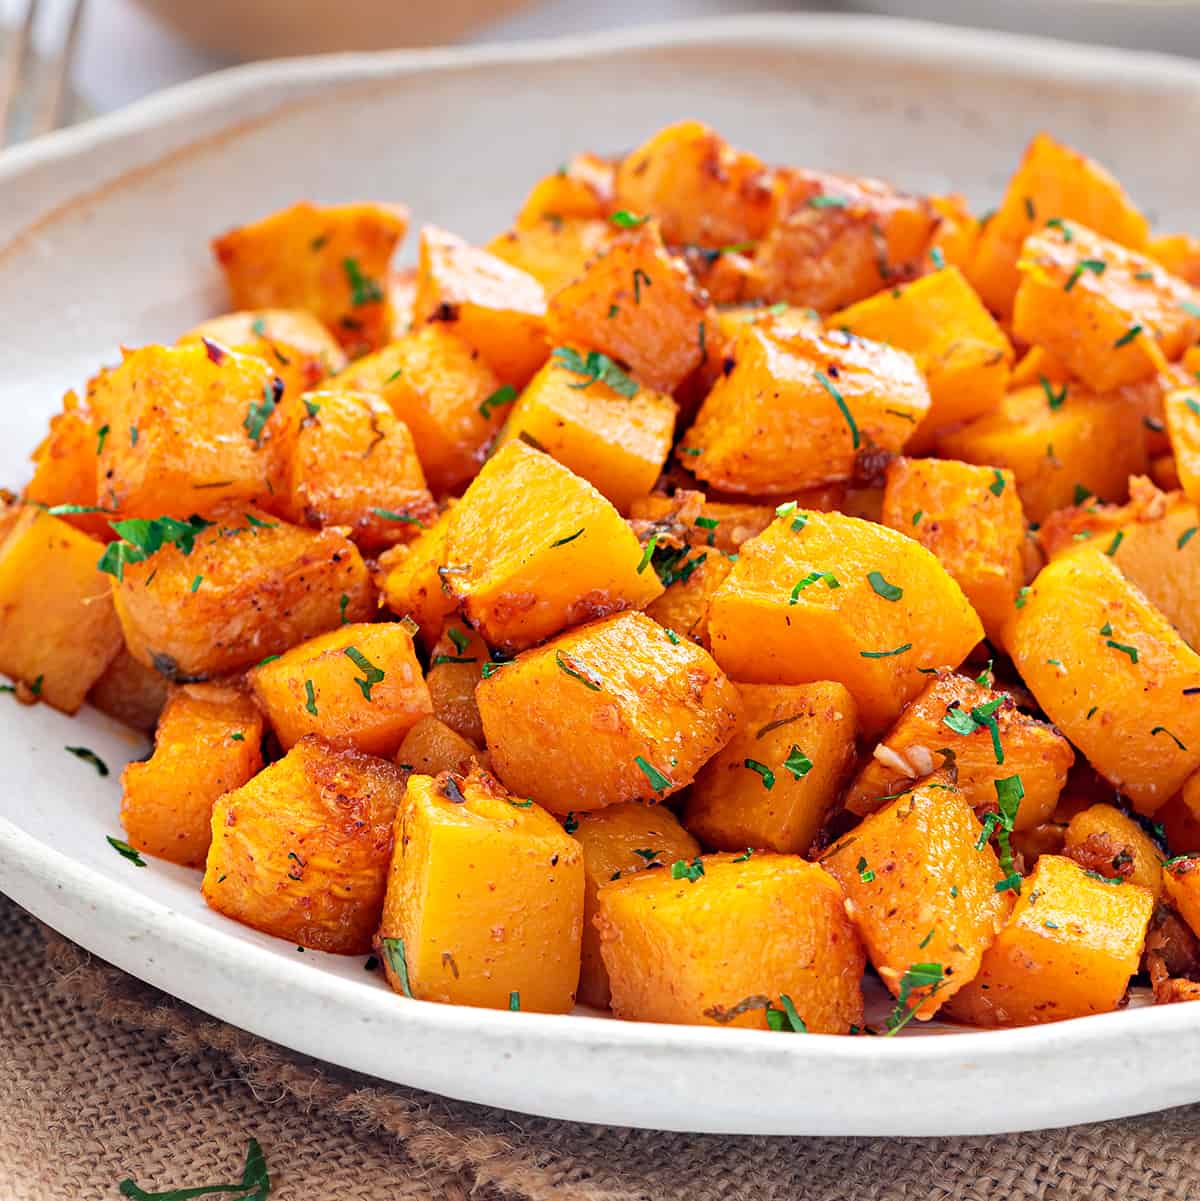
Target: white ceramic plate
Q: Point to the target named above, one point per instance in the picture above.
(459, 135)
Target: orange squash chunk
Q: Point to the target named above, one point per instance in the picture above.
(777, 780)
(444, 392)
(702, 190)
(919, 892)
(353, 464)
(532, 549)
(411, 585)
(293, 343)
(911, 751)
(553, 249)
(957, 234)
(332, 261)
(206, 744)
(1103, 839)
(1112, 673)
(821, 596)
(64, 471)
(251, 587)
(730, 936)
(301, 851)
(455, 665)
(1183, 426)
(1112, 316)
(582, 188)
(793, 412)
(942, 323)
(617, 440)
(1052, 181)
(1179, 254)
(1069, 949)
(638, 305)
(1086, 445)
(432, 747)
(1180, 818)
(683, 607)
(58, 631)
(618, 841)
(836, 239)
(484, 899)
(647, 713)
(359, 686)
(1181, 882)
(189, 427)
(129, 692)
(970, 517)
(495, 307)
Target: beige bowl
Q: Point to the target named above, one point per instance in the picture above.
(276, 28)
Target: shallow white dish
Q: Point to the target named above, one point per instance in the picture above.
(459, 135)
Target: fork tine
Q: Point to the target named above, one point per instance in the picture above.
(16, 63)
(52, 107)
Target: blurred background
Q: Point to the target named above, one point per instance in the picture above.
(107, 53)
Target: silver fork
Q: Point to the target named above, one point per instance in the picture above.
(17, 72)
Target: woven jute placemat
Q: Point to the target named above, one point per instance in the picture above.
(103, 1078)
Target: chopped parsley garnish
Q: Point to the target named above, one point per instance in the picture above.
(681, 869)
(916, 517)
(1127, 337)
(125, 851)
(255, 1184)
(1174, 738)
(343, 601)
(648, 855)
(569, 538)
(503, 395)
(1111, 548)
(886, 654)
(928, 977)
(831, 582)
(1053, 399)
(827, 201)
(363, 289)
(640, 279)
(371, 674)
(937, 258)
(576, 670)
(1009, 793)
(627, 220)
(658, 781)
(647, 553)
(1095, 266)
(764, 772)
(786, 1018)
(395, 958)
(1062, 227)
(101, 435)
(996, 487)
(798, 763)
(490, 668)
(880, 586)
(1081, 494)
(743, 856)
(514, 1001)
(139, 538)
(571, 823)
(1186, 537)
(1124, 648)
(980, 717)
(595, 367)
(865, 874)
(197, 582)
(799, 521)
(311, 700)
(672, 637)
(839, 400)
(89, 756)
(259, 412)
(392, 515)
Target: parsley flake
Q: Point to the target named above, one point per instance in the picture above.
(89, 756)
(839, 400)
(681, 869)
(880, 586)
(658, 781)
(363, 289)
(596, 367)
(764, 772)
(576, 670)
(503, 395)
(395, 958)
(926, 977)
(372, 674)
(125, 851)
(886, 654)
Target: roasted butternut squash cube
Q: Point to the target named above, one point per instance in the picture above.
(957, 234)
(821, 596)
(693, 577)
(359, 685)
(1183, 427)
(130, 692)
(1108, 842)
(554, 249)
(1069, 949)
(532, 549)
(1111, 315)
(207, 744)
(455, 666)
(702, 190)
(1112, 673)
(637, 305)
(1035, 365)
(444, 392)
(484, 900)
(940, 320)
(411, 584)
(301, 852)
(495, 307)
(970, 517)
(793, 412)
(582, 187)
(617, 440)
(1052, 181)
(249, 587)
(58, 631)
(777, 780)
(649, 712)
(1086, 445)
(65, 469)
(991, 740)
(836, 239)
(1179, 818)
(332, 261)
(728, 936)
(1181, 882)
(432, 747)
(618, 841)
(189, 428)
(1179, 254)
(293, 343)
(920, 893)
(352, 463)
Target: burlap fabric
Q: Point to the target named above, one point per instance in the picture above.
(103, 1078)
